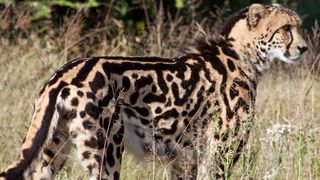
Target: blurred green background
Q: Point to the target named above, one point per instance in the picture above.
(135, 13)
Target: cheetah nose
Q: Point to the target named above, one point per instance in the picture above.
(302, 49)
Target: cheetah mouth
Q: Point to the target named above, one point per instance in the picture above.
(292, 59)
(295, 59)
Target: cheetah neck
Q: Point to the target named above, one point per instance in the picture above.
(246, 48)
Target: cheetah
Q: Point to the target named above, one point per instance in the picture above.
(191, 110)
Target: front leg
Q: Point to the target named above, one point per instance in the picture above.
(186, 164)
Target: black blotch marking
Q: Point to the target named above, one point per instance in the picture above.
(216, 136)
(116, 175)
(179, 138)
(97, 83)
(233, 91)
(49, 153)
(144, 121)
(241, 83)
(150, 98)
(230, 114)
(225, 135)
(157, 137)
(126, 83)
(130, 113)
(56, 140)
(231, 65)
(135, 76)
(154, 89)
(80, 93)
(186, 122)
(105, 123)
(97, 158)
(117, 138)
(74, 102)
(184, 113)
(168, 114)
(82, 114)
(92, 110)
(91, 95)
(142, 110)
(86, 154)
(161, 82)
(187, 143)
(87, 124)
(65, 114)
(169, 78)
(142, 82)
(90, 167)
(65, 93)
(101, 138)
(92, 143)
(158, 110)
(110, 158)
(134, 97)
(226, 49)
(105, 101)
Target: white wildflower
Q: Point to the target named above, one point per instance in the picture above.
(276, 132)
(270, 174)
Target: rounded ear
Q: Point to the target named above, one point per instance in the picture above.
(256, 12)
(276, 5)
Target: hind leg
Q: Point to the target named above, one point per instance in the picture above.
(100, 157)
(110, 148)
(55, 153)
(52, 158)
(114, 149)
(185, 166)
(84, 130)
(89, 152)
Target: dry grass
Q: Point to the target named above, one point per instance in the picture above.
(285, 139)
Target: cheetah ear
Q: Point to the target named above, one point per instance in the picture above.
(256, 12)
(276, 5)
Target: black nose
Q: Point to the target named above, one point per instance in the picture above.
(302, 49)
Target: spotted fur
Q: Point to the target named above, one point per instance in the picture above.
(195, 110)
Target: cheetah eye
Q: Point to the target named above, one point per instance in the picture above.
(287, 28)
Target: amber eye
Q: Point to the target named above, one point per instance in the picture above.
(287, 28)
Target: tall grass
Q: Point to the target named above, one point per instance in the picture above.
(285, 138)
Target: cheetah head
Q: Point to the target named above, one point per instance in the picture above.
(266, 33)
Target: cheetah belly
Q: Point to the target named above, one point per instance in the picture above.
(133, 141)
(141, 140)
